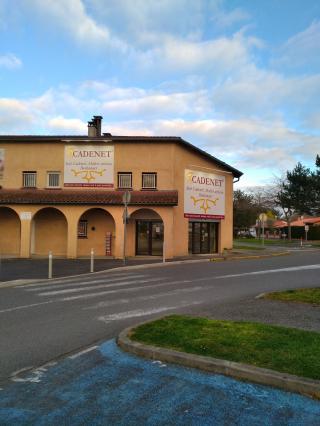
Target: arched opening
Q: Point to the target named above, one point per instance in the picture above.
(96, 229)
(49, 233)
(148, 229)
(10, 231)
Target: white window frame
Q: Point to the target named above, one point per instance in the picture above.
(121, 183)
(48, 179)
(29, 179)
(151, 177)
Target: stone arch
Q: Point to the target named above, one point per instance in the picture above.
(145, 232)
(49, 232)
(10, 232)
(96, 230)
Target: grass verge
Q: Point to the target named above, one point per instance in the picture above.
(287, 350)
(302, 295)
(252, 247)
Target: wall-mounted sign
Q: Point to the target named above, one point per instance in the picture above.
(90, 166)
(204, 195)
(1, 163)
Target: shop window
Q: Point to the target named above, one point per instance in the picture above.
(53, 180)
(29, 179)
(149, 180)
(83, 229)
(125, 180)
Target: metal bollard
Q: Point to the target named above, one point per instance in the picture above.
(92, 261)
(163, 253)
(50, 265)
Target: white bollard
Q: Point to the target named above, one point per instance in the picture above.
(92, 261)
(50, 265)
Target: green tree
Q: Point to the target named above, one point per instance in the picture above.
(245, 211)
(297, 191)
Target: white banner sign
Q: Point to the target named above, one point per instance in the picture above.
(1, 163)
(204, 195)
(90, 166)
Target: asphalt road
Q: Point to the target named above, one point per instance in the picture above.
(40, 322)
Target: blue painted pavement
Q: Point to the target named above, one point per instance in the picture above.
(109, 387)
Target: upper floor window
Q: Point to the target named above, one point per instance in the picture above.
(125, 180)
(149, 180)
(53, 180)
(29, 179)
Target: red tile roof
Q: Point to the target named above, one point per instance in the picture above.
(88, 197)
(279, 224)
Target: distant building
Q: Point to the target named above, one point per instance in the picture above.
(65, 194)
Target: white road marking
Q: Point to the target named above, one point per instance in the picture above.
(34, 375)
(96, 287)
(73, 283)
(272, 271)
(85, 351)
(142, 312)
(142, 298)
(16, 308)
(125, 290)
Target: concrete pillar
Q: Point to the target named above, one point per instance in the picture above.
(167, 218)
(72, 238)
(119, 233)
(25, 239)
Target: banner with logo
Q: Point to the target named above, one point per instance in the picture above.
(1, 163)
(89, 166)
(204, 195)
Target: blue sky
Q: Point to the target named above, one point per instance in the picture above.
(240, 79)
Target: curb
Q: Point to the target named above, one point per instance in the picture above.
(288, 382)
(253, 256)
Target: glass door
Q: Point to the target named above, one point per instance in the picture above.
(203, 237)
(142, 238)
(149, 238)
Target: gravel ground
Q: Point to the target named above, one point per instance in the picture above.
(289, 314)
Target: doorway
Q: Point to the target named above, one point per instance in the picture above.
(203, 237)
(149, 238)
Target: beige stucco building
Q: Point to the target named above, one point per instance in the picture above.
(64, 194)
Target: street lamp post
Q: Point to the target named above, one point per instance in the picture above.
(288, 217)
(126, 200)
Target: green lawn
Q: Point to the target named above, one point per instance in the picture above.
(304, 295)
(252, 247)
(282, 349)
(273, 242)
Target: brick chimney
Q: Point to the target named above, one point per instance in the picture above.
(94, 126)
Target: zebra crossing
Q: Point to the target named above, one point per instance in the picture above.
(115, 290)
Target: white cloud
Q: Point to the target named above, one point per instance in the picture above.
(68, 125)
(159, 104)
(14, 115)
(218, 55)
(10, 61)
(242, 141)
(73, 18)
(223, 19)
(303, 48)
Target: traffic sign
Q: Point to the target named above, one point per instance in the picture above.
(126, 198)
(263, 217)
